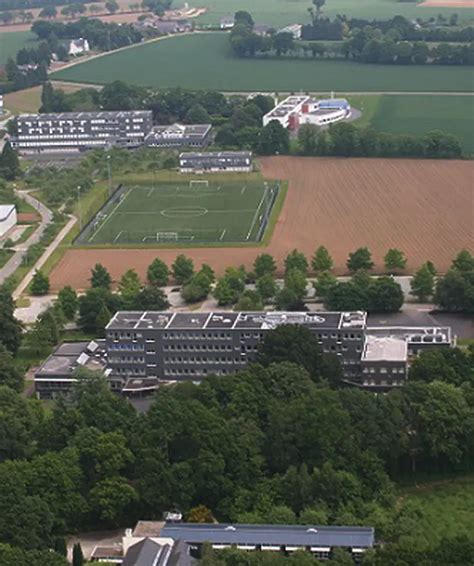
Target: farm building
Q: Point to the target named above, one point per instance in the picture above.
(216, 162)
(180, 135)
(8, 218)
(302, 109)
(227, 23)
(78, 46)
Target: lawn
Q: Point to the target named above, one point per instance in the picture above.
(205, 61)
(282, 12)
(11, 42)
(419, 114)
(205, 212)
(448, 508)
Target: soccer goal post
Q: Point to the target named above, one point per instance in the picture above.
(167, 236)
(197, 184)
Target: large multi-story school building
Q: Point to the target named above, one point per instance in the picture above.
(70, 132)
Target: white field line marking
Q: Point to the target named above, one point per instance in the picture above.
(223, 234)
(243, 190)
(256, 213)
(112, 212)
(118, 236)
(150, 192)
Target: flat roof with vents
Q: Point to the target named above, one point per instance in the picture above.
(271, 535)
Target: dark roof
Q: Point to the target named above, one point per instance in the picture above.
(271, 535)
(111, 115)
(147, 553)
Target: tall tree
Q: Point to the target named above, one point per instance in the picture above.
(10, 327)
(158, 273)
(9, 163)
(39, 284)
(296, 260)
(264, 264)
(183, 269)
(67, 298)
(9, 374)
(129, 287)
(394, 260)
(360, 259)
(422, 284)
(100, 277)
(77, 555)
(322, 261)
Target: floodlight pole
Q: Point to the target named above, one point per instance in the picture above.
(109, 175)
(79, 206)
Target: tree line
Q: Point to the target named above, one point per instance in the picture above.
(279, 442)
(238, 123)
(368, 44)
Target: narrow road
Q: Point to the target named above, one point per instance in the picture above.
(46, 218)
(44, 258)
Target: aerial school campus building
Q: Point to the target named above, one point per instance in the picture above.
(302, 109)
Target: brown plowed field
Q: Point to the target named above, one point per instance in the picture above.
(422, 207)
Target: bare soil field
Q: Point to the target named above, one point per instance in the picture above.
(424, 207)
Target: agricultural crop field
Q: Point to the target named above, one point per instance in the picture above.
(12, 42)
(205, 61)
(184, 213)
(423, 207)
(282, 12)
(418, 114)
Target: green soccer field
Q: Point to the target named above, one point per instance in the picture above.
(184, 213)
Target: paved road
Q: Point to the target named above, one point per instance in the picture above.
(46, 218)
(46, 254)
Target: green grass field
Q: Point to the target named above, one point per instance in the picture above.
(11, 42)
(418, 114)
(448, 508)
(204, 61)
(177, 213)
(281, 12)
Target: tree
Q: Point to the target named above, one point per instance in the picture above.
(9, 163)
(296, 260)
(346, 296)
(100, 277)
(394, 260)
(464, 261)
(455, 291)
(199, 286)
(318, 5)
(200, 514)
(308, 135)
(266, 286)
(197, 114)
(274, 139)
(324, 283)
(158, 273)
(291, 343)
(91, 305)
(249, 301)
(384, 295)
(291, 297)
(77, 555)
(360, 259)
(111, 6)
(39, 284)
(101, 320)
(183, 269)
(151, 299)
(322, 261)
(10, 327)
(9, 374)
(243, 17)
(48, 12)
(422, 284)
(129, 287)
(110, 498)
(67, 298)
(264, 264)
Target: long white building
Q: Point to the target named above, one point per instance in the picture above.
(8, 218)
(302, 109)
